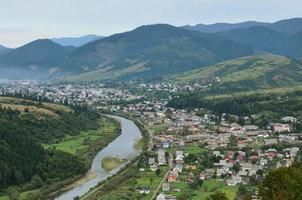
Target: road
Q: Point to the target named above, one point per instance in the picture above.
(165, 177)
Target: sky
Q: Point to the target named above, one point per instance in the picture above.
(22, 21)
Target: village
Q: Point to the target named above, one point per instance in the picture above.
(208, 148)
(192, 151)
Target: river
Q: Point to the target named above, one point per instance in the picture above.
(122, 147)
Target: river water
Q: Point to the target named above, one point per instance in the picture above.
(122, 147)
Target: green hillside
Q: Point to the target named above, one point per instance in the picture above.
(149, 52)
(260, 71)
(267, 39)
(36, 60)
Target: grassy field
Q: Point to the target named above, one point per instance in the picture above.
(4, 198)
(73, 144)
(30, 109)
(157, 128)
(207, 188)
(240, 69)
(24, 105)
(151, 180)
(279, 90)
(110, 163)
(193, 149)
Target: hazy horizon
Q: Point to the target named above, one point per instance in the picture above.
(22, 22)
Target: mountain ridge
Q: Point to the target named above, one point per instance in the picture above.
(267, 39)
(38, 58)
(152, 51)
(291, 25)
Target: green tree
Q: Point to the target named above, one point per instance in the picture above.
(218, 195)
(13, 193)
(282, 184)
(157, 172)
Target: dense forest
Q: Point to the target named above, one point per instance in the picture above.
(22, 158)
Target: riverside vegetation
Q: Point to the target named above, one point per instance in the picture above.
(47, 146)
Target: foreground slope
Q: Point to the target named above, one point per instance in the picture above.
(148, 52)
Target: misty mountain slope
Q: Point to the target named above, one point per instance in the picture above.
(257, 71)
(149, 52)
(266, 39)
(293, 45)
(4, 50)
(258, 37)
(38, 58)
(293, 25)
(218, 27)
(76, 41)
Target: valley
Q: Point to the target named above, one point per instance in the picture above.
(153, 112)
(196, 142)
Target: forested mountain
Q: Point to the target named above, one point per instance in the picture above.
(282, 37)
(147, 52)
(150, 52)
(267, 39)
(284, 26)
(38, 58)
(287, 25)
(252, 72)
(76, 41)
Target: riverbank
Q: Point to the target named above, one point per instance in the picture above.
(86, 146)
(123, 180)
(122, 147)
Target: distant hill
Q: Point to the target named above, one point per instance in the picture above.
(148, 52)
(38, 58)
(284, 26)
(76, 41)
(4, 50)
(218, 27)
(287, 25)
(252, 72)
(267, 39)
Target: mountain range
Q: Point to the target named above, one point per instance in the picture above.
(150, 52)
(36, 60)
(284, 26)
(147, 52)
(266, 39)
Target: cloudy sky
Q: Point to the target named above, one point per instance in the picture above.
(24, 20)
